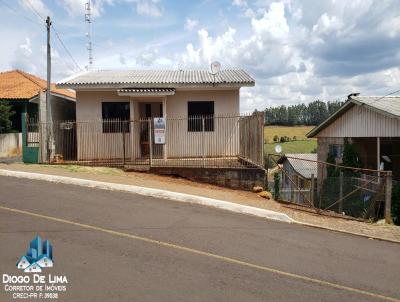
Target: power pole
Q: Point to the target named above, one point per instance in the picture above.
(49, 122)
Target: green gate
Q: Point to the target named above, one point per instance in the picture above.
(30, 140)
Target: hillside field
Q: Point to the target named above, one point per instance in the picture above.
(301, 145)
(298, 131)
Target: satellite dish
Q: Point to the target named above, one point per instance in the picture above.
(278, 148)
(215, 67)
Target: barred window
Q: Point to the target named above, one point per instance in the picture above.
(115, 117)
(199, 111)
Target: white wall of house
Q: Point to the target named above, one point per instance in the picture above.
(10, 144)
(179, 141)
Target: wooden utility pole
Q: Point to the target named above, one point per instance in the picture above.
(49, 120)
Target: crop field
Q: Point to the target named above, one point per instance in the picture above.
(298, 131)
(298, 143)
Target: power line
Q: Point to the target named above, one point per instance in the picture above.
(34, 10)
(19, 13)
(55, 31)
(380, 98)
(66, 49)
(69, 65)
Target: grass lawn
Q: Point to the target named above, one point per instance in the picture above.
(298, 131)
(305, 146)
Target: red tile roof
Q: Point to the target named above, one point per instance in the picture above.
(17, 84)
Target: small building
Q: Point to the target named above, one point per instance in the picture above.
(372, 124)
(300, 169)
(166, 120)
(24, 92)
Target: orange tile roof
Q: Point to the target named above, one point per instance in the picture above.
(17, 84)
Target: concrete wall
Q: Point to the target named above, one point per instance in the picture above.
(179, 141)
(244, 179)
(10, 144)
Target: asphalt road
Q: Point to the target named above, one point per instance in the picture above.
(116, 246)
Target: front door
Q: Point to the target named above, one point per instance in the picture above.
(148, 111)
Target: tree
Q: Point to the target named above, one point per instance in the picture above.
(350, 158)
(312, 114)
(5, 117)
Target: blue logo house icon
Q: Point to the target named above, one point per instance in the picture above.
(39, 255)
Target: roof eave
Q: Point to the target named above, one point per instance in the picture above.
(372, 108)
(345, 107)
(152, 85)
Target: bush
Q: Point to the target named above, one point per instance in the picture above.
(277, 179)
(284, 139)
(276, 138)
(5, 117)
(294, 138)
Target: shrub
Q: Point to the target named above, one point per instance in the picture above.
(276, 138)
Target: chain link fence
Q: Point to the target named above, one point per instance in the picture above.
(333, 189)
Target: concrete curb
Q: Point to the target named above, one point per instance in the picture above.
(345, 232)
(220, 204)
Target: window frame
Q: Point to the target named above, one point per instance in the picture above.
(119, 125)
(195, 121)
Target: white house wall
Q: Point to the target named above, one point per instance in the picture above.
(360, 121)
(180, 143)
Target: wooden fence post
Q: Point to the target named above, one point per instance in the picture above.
(312, 189)
(388, 197)
(341, 192)
(150, 142)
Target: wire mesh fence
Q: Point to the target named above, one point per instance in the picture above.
(196, 141)
(330, 188)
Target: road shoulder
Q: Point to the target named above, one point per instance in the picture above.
(188, 191)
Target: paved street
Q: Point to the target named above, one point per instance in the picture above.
(122, 247)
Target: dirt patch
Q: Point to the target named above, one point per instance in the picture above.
(176, 184)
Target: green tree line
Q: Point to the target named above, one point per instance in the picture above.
(312, 114)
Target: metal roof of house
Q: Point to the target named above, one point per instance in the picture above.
(157, 78)
(304, 163)
(388, 106)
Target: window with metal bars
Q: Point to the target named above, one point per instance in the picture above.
(200, 113)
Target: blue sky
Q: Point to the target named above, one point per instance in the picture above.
(297, 51)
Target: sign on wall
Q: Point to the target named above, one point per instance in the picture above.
(159, 130)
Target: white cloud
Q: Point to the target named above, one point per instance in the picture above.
(36, 6)
(77, 7)
(273, 22)
(148, 8)
(190, 24)
(143, 7)
(240, 3)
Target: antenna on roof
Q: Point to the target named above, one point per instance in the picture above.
(88, 20)
(215, 68)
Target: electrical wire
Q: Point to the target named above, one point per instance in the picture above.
(19, 13)
(56, 33)
(65, 47)
(380, 98)
(34, 10)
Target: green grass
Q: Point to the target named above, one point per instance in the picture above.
(305, 146)
(298, 131)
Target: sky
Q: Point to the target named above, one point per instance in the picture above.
(297, 51)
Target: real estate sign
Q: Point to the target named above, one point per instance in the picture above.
(159, 130)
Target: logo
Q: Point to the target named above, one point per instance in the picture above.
(38, 256)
